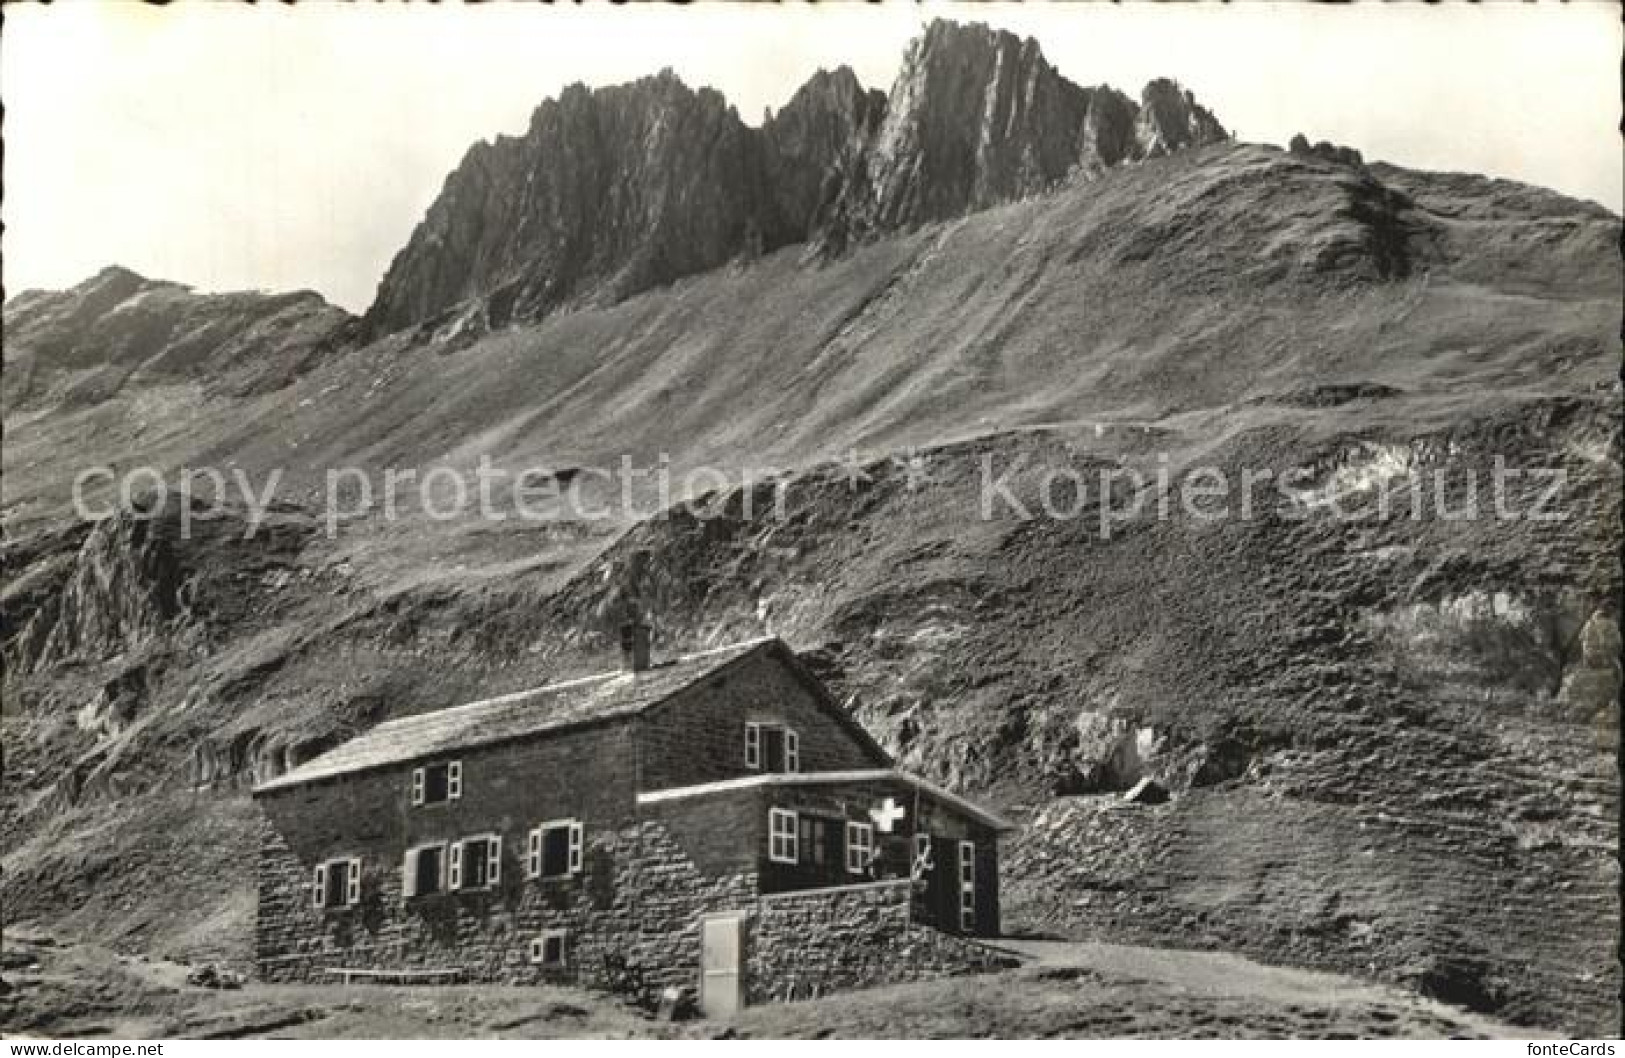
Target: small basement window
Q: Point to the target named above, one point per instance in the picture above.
(555, 849)
(549, 948)
(424, 870)
(772, 748)
(476, 863)
(860, 847)
(435, 784)
(782, 844)
(336, 883)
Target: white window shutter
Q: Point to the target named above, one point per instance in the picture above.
(753, 745)
(455, 880)
(318, 896)
(493, 850)
(576, 834)
(409, 874)
(417, 786)
(792, 751)
(352, 882)
(454, 780)
(533, 866)
(967, 886)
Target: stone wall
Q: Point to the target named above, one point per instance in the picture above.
(807, 944)
(636, 905)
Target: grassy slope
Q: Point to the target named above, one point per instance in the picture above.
(1436, 802)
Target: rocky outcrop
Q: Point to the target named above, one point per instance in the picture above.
(616, 190)
(120, 593)
(613, 191)
(1171, 120)
(117, 329)
(823, 131)
(1326, 152)
(975, 117)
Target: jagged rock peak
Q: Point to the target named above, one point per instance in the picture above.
(824, 128)
(614, 190)
(978, 116)
(609, 191)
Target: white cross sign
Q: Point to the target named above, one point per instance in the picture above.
(887, 815)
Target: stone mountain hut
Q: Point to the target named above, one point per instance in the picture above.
(716, 822)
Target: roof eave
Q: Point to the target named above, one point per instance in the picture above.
(754, 782)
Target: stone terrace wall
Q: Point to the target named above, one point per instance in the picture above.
(815, 942)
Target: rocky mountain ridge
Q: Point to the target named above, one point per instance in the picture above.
(619, 189)
(80, 346)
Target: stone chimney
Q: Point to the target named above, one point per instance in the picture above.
(634, 629)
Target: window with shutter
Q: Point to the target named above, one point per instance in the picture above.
(783, 844)
(336, 883)
(556, 849)
(476, 863)
(435, 784)
(772, 747)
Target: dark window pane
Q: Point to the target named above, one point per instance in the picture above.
(476, 860)
(428, 880)
(338, 883)
(773, 749)
(555, 851)
(436, 783)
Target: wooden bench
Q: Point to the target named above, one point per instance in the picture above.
(347, 975)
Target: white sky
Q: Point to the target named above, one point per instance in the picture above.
(279, 148)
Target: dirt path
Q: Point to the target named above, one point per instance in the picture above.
(1089, 990)
(1063, 989)
(1222, 977)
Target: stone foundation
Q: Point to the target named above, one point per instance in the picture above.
(807, 944)
(635, 906)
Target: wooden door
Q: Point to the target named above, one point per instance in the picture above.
(721, 972)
